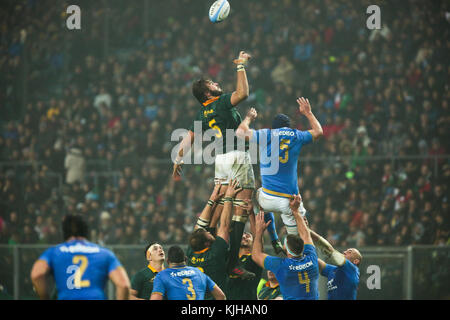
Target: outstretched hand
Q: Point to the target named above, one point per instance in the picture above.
(294, 202)
(177, 170)
(261, 225)
(233, 188)
(304, 106)
(243, 58)
(216, 194)
(252, 114)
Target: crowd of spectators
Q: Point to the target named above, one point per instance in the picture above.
(100, 105)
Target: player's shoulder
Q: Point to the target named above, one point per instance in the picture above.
(225, 97)
(50, 252)
(219, 244)
(348, 265)
(309, 248)
(144, 271)
(224, 100)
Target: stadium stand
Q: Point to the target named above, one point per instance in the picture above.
(87, 115)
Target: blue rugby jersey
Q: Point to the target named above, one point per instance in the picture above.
(279, 175)
(80, 269)
(182, 283)
(298, 277)
(342, 281)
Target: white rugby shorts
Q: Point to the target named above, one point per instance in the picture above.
(234, 165)
(279, 205)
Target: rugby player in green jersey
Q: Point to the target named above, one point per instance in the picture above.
(142, 281)
(220, 118)
(245, 289)
(211, 253)
(269, 289)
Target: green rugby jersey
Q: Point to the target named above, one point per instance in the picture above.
(212, 261)
(268, 293)
(142, 282)
(238, 289)
(219, 115)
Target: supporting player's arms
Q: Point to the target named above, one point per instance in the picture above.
(305, 109)
(218, 294)
(258, 254)
(120, 279)
(335, 257)
(302, 228)
(39, 274)
(205, 217)
(251, 218)
(244, 131)
(185, 146)
(225, 219)
(242, 90)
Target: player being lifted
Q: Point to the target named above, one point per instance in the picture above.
(279, 174)
(232, 159)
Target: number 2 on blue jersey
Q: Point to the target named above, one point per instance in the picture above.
(75, 281)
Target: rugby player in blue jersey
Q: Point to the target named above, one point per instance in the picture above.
(279, 172)
(298, 274)
(181, 282)
(342, 271)
(80, 268)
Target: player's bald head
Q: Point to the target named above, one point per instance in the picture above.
(353, 255)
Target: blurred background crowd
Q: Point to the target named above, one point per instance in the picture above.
(87, 115)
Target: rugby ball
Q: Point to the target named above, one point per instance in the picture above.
(219, 11)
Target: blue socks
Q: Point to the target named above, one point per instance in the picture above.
(271, 228)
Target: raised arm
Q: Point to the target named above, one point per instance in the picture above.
(302, 228)
(185, 146)
(305, 109)
(204, 219)
(244, 131)
(258, 254)
(334, 257)
(242, 90)
(225, 219)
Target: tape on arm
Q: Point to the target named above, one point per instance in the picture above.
(337, 258)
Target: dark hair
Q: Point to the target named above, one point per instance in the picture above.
(74, 225)
(176, 255)
(197, 239)
(199, 89)
(281, 121)
(148, 247)
(295, 244)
